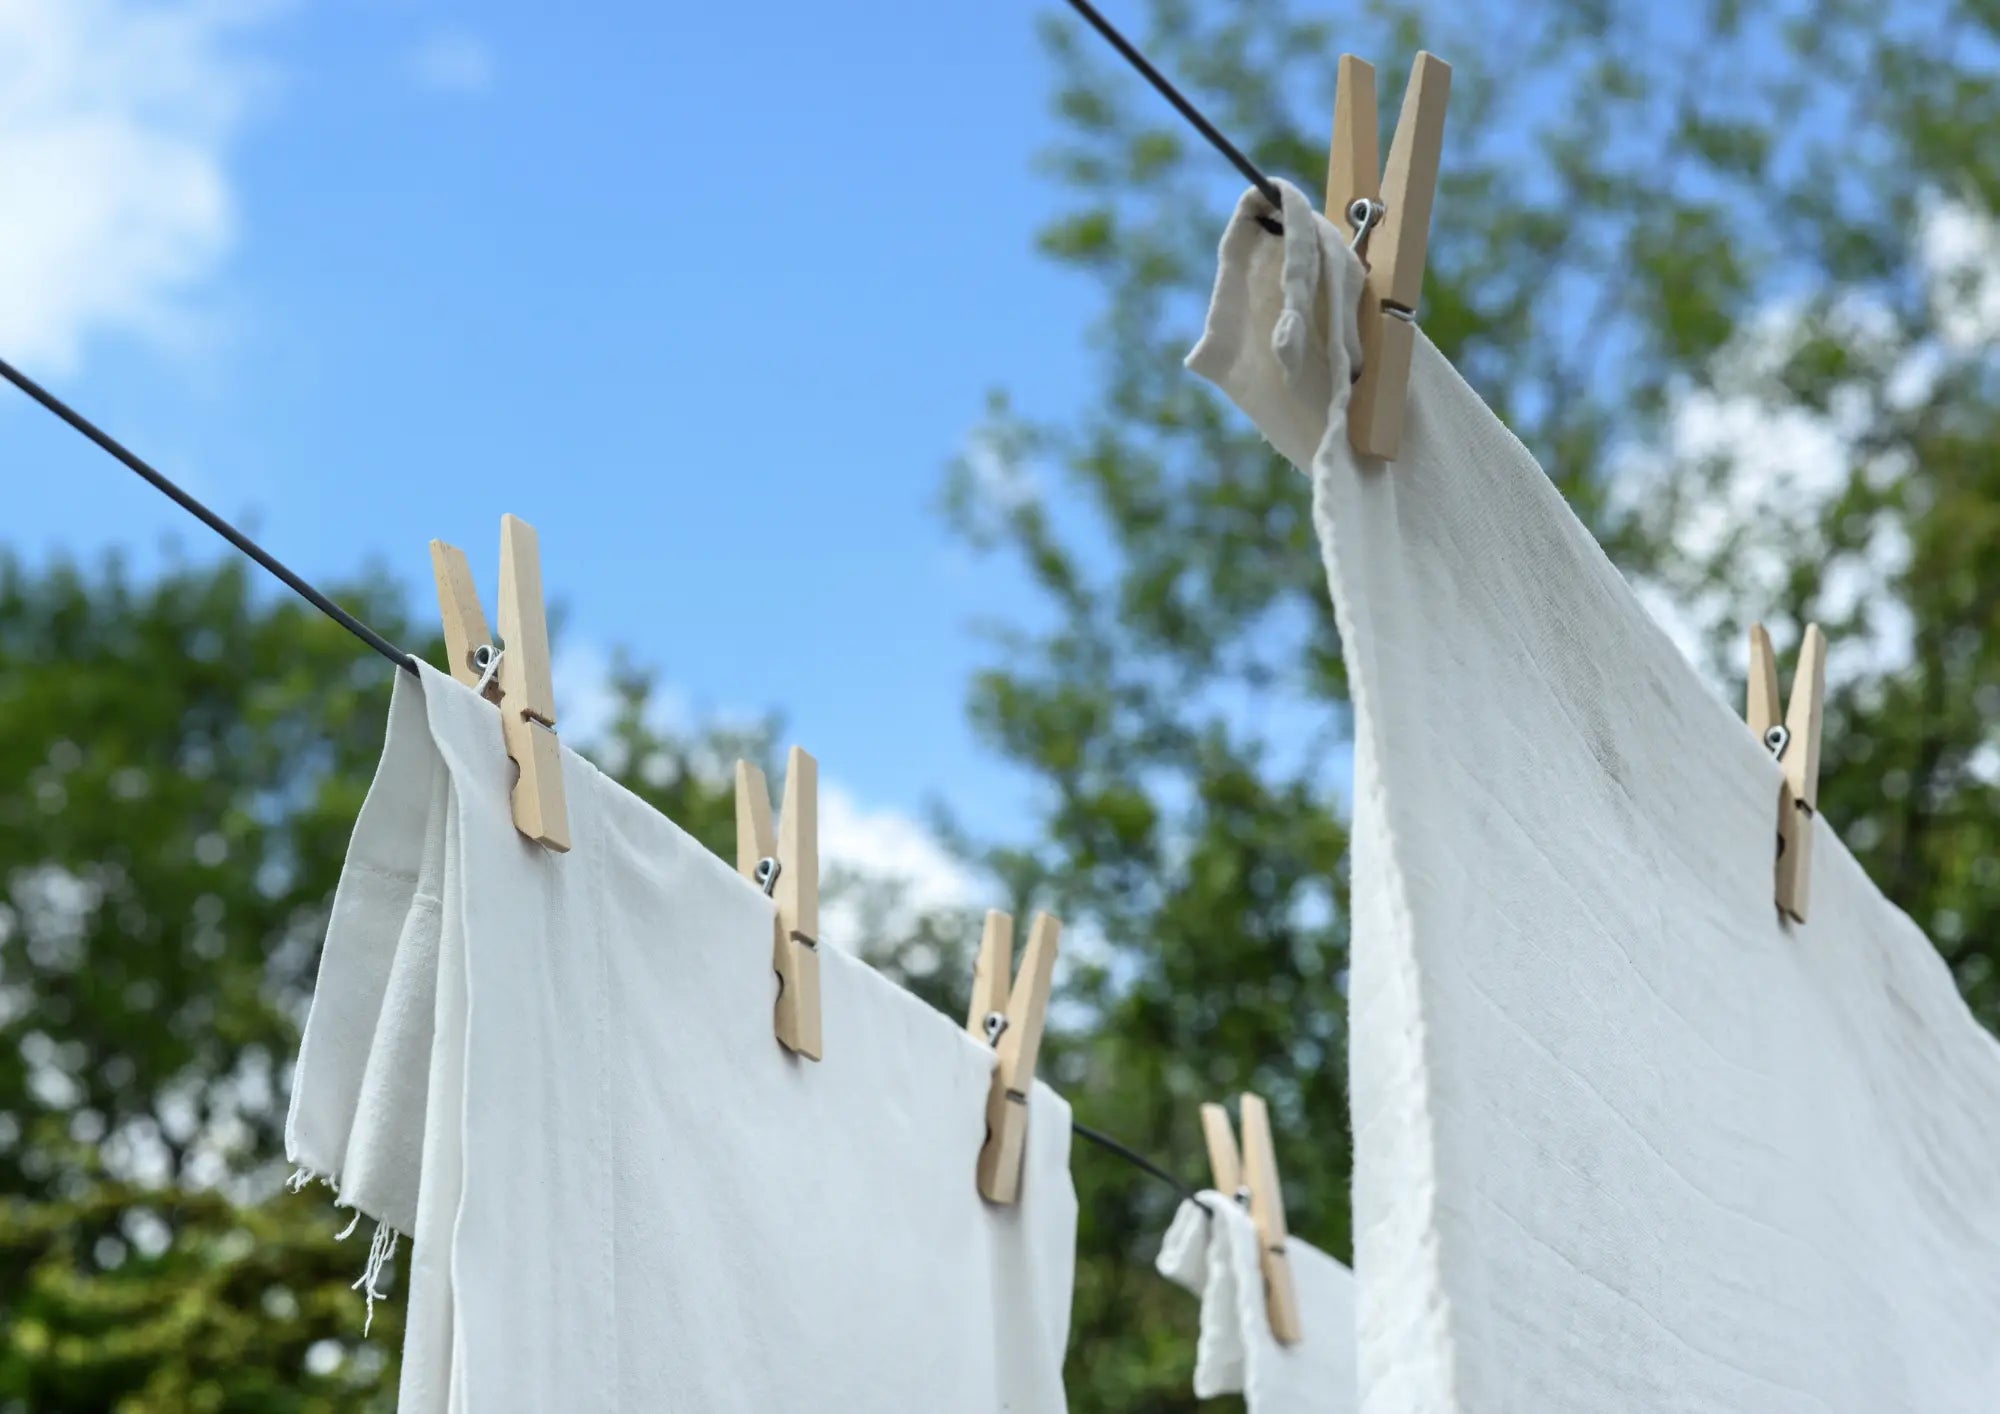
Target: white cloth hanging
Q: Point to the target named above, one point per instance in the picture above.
(559, 1073)
(1624, 1140)
(1211, 1250)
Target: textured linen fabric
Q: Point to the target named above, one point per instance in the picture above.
(1625, 1139)
(558, 1072)
(1211, 1250)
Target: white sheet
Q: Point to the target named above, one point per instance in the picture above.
(559, 1071)
(1211, 1250)
(1624, 1140)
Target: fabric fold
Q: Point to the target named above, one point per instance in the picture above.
(1265, 343)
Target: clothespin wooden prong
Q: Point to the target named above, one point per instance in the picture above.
(1354, 167)
(1267, 1211)
(1399, 242)
(1225, 1164)
(756, 839)
(527, 689)
(522, 683)
(991, 973)
(793, 853)
(1796, 743)
(1016, 1037)
(465, 630)
(1252, 1179)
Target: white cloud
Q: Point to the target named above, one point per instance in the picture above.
(116, 120)
(588, 703)
(1776, 456)
(1003, 481)
(451, 61)
(886, 844)
(1775, 470)
(883, 871)
(1960, 246)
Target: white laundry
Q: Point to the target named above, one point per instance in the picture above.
(1211, 1250)
(1624, 1140)
(558, 1072)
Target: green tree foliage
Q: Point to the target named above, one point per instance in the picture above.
(1701, 261)
(186, 756)
(185, 761)
(184, 765)
(142, 1298)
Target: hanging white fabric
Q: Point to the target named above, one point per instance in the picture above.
(1624, 1140)
(558, 1073)
(1211, 1250)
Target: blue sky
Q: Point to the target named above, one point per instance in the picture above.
(710, 294)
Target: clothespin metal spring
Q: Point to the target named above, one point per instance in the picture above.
(486, 658)
(1364, 214)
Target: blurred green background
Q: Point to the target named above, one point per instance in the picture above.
(1733, 276)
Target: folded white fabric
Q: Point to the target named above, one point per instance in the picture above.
(559, 1072)
(1211, 1250)
(1624, 1140)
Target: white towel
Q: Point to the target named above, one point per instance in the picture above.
(1624, 1140)
(1211, 1250)
(559, 1072)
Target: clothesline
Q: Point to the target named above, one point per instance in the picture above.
(1196, 119)
(206, 516)
(304, 589)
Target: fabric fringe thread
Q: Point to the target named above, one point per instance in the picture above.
(381, 1247)
(303, 1177)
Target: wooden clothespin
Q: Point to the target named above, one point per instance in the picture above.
(520, 681)
(1010, 1021)
(1390, 213)
(786, 867)
(1253, 1181)
(1795, 741)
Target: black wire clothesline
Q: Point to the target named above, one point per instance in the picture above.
(304, 589)
(1196, 119)
(206, 516)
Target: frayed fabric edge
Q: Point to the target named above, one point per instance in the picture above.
(303, 1177)
(381, 1247)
